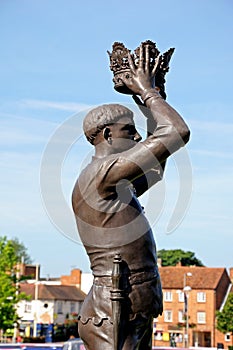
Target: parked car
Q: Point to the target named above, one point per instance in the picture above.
(73, 344)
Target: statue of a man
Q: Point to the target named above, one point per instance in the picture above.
(110, 218)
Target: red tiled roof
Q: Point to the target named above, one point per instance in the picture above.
(51, 292)
(202, 277)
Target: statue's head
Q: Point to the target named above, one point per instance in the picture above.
(98, 118)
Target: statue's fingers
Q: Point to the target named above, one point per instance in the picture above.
(141, 57)
(147, 59)
(157, 64)
(131, 62)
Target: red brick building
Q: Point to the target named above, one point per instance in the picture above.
(192, 295)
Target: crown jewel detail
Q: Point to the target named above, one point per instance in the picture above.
(119, 65)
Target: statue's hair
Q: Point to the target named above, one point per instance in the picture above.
(98, 118)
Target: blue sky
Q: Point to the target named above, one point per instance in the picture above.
(53, 64)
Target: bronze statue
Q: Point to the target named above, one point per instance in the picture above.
(110, 219)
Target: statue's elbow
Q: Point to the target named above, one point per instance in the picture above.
(188, 135)
(185, 134)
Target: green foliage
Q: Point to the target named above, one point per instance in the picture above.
(21, 251)
(174, 256)
(225, 317)
(9, 293)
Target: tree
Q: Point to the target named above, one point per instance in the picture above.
(21, 251)
(9, 292)
(225, 317)
(174, 256)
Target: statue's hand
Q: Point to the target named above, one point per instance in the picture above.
(141, 77)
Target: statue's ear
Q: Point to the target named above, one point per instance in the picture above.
(107, 133)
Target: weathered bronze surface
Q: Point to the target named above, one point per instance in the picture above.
(119, 309)
(120, 65)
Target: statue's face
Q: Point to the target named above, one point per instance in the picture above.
(124, 134)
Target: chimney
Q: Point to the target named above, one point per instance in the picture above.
(74, 279)
(231, 274)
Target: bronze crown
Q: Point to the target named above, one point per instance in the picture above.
(119, 64)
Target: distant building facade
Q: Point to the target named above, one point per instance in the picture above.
(51, 302)
(192, 295)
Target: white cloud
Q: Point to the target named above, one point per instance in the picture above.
(17, 130)
(213, 154)
(65, 106)
(211, 126)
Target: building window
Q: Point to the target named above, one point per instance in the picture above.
(167, 296)
(201, 317)
(227, 337)
(167, 316)
(27, 307)
(201, 297)
(181, 316)
(158, 335)
(180, 296)
(72, 307)
(59, 307)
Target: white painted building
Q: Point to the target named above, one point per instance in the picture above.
(48, 304)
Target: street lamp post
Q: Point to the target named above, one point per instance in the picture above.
(186, 289)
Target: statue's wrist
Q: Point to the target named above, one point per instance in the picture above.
(149, 93)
